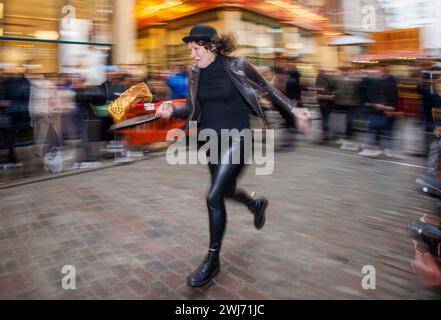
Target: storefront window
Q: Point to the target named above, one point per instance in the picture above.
(38, 31)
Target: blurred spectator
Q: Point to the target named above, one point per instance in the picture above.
(91, 126)
(46, 120)
(66, 104)
(5, 119)
(2, 88)
(323, 85)
(178, 83)
(347, 99)
(283, 81)
(17, 92)
(280, 76)
(131, 80)
(293, 88)
(267, 73)
(380, 94)
(426, 89)
(434, 165)
(436, 107)
(158, 86)
(116, 83)
(282, 134)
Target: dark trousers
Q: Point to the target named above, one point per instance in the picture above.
(428, 127)
(327, 108)
(90, 132)
(224, 175)
(9, 137)
(381, 130)
(325, 111)
(19, 123)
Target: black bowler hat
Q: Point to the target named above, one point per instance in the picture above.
(200, 32)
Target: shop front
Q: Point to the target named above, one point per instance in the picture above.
(55, 36)
(263, 29)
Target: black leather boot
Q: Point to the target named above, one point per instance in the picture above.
(208, 269)
(257, 207)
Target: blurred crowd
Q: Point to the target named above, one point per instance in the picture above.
(47, 111)
(373, 99)
(357, 106)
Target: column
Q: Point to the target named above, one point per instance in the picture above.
(124, 26)
(230, 21)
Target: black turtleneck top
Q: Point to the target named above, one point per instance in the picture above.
(222, 106)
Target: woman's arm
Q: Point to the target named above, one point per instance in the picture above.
(280, 101)
(276, 97)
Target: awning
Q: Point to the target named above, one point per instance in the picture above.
(349, 40)
(391, 56)
(153, 12)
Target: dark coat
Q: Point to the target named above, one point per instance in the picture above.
(250, 84)
(17, 90)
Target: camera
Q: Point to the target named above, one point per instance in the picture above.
(428, 234)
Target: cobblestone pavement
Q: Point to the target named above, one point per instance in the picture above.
(136, 231)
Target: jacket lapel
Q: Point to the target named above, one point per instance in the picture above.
(194, 83)
(240, 81)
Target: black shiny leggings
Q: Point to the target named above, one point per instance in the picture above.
(223, 184)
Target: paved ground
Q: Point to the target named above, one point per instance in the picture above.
(136, 231)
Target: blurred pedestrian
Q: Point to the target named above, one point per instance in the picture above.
(158, 87)
(380, 95)
(42, 109)
(16, 94)
(347, 99)
(178, 83)
(293, 86)
(323, 87)
(426, 87)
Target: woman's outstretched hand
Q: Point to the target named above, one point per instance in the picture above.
(303, 119)
(165, 109)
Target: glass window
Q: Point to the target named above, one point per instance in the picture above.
(31, 28)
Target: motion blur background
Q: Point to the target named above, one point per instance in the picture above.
(368, 70)
(148, 33)
(63, 62)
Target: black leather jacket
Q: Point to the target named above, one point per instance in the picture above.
(251, 85)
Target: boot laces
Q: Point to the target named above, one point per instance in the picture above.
(208, 260)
